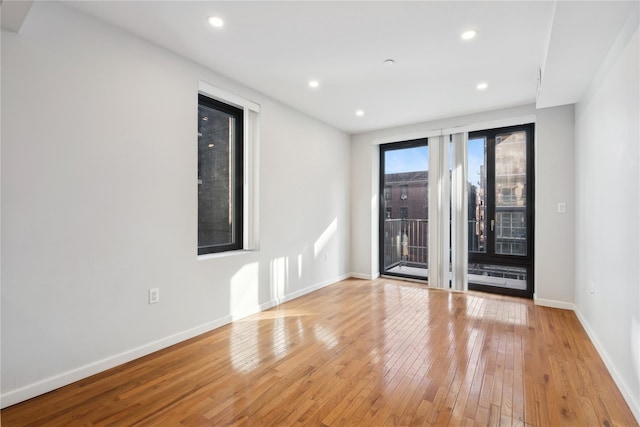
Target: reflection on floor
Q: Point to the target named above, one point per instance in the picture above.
(358, 353)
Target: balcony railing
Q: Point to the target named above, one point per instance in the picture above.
(406, 242)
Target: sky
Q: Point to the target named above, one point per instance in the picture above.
(417, 159)
(475, 160)
(407, 160)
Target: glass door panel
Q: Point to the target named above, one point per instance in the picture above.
(500, 182)
(511, 194)
(477, 177)
(404, 209)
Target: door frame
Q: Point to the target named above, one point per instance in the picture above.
(490, 257)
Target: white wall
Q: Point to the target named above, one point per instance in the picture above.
(364, 208)
(99, 203)
(607, 288)
(554, 233)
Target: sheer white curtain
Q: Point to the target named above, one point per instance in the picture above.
(438, 212)
(448, 201)
(459, 213)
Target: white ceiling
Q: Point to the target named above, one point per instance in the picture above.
(277, 47)
(581, 37)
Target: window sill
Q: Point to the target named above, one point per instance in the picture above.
(225, 254)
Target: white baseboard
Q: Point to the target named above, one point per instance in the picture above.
(554, 303)
(309, 289)
(633, 403)
(617, 378)
(48, 384)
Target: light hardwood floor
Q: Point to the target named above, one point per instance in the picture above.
(371, 353)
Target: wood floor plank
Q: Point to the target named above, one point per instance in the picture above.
(359, 352)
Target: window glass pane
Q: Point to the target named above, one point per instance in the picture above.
(477, 184)
(511, 192)
(405, 227)
(387, 192)
(218, 164)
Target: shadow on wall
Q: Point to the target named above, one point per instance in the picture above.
(272, 334)
(327, 235)
(245, 286)
(244, 292)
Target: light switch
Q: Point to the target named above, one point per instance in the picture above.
(562, 207)
(154, 296)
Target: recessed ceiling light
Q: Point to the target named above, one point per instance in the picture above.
(314, 83)
(389, 62)
(359, 113)
(216, 21)
(468, 35)
(482, 86)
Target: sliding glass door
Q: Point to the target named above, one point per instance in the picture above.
(457, 209)
(500, 210)
(404, 209)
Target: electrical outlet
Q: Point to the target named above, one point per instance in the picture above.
(154, 295)
(562, 207)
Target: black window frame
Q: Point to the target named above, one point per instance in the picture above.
(489, 257)
(383, 149)
(238, 177)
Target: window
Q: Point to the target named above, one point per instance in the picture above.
(403, 226)
(500, 171)
(404, 192)
(220, 176)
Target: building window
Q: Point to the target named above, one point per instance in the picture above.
(387, 192)
(404, 192)
(220, 176)
(404, 213)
